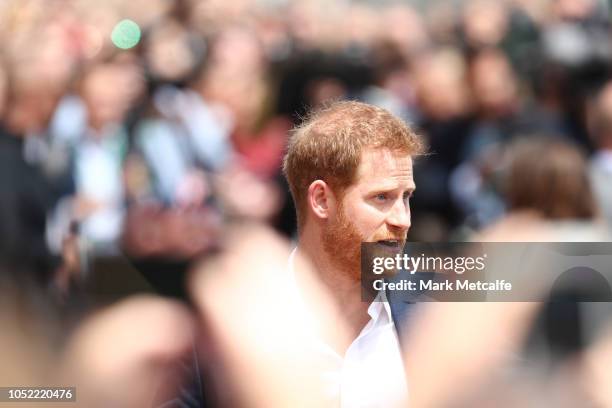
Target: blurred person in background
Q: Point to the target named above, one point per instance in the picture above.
(179, 140)
(34, 176)
(550, 198)
(236, 76)
(180, 136)
(393, 87)
(600, 166)
(211, 120)
(485, 23)
(100, 152)
(406, 28)
(89, 127)
(576, 56)
(548, 194)
(501, 114)
(444, 117)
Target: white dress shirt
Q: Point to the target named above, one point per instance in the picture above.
(371, 373)
(98, 176)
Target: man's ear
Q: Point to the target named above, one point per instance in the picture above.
(321, 200)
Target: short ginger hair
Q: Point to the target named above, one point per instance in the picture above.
(328, 145)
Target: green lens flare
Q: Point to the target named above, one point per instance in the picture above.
(126, 34)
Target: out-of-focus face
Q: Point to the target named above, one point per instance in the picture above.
(605, 100)
(600, 118)
(169, 55)
(485, 22)
(362, 25)
(494, 83)
(573, 9)
(405, 27)
(103, 101)
(110, 90)
(374, 209)
(235, 76)
(441, 86)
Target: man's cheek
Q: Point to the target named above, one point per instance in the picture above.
(372, 227)
(379, 233)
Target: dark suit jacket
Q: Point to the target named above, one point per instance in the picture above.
(25, 198)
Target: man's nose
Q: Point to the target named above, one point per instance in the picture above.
(400, 215)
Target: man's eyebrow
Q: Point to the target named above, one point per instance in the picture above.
(409, 192)
(386, 188)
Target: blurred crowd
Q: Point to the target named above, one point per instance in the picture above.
(150, 152)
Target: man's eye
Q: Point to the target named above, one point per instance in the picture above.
(381, 197)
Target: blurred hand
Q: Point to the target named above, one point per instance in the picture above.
(597, 376)
(85, 206)
(193, 190)
(245, 195)
(248, 299)
(124, 355)
(453, 349)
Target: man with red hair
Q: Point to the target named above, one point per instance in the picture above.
(349, 168)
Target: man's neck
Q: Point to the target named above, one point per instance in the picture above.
(344, 290)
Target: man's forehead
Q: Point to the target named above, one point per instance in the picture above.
(383, 163)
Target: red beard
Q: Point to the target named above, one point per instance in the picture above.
(342, 244)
